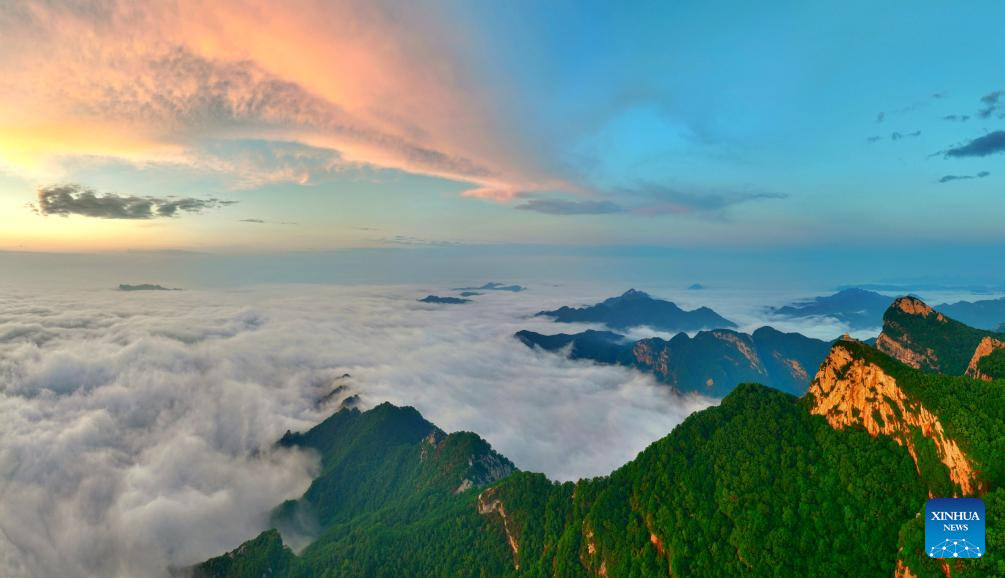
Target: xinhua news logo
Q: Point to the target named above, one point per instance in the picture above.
(954, 528)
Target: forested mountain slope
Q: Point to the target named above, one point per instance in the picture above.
(830, 484)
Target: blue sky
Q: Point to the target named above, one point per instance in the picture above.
(667, 124)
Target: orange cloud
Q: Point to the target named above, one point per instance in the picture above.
(149, 81)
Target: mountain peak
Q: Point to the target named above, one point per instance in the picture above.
(912, 306)
(635, 294)
(635, 308)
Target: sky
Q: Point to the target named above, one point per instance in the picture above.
(260, 128)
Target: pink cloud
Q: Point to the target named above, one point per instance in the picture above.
(382, 87)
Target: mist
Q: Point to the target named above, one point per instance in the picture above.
(137, 429)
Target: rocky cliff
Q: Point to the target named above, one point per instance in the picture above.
(853, 392)
(921, 337)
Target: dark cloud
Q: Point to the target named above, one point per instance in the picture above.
(880, 117)
(957, 117)
(74, 199)
(663, 200)
(873, 139)
(895, 136)
(993, 104)
(982, 146)
(950, 178)
(564, 207)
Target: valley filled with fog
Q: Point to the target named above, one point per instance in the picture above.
(137, 429)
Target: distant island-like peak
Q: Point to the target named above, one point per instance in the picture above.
(635, 308)
(144, 287)
(443, 300)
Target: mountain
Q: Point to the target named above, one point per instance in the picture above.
(711, 362)
(600, 346)
(831, 484)
(443, 300)
(986, 314)
(635, 309)
(393, 490)
(858, 308)
(924, 338)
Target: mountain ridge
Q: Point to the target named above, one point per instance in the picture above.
(830, 484)
(711, 362)
(636, 308)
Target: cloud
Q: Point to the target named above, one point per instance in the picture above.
(153, 83)
(654, 200)
(880, 117)
(873, 139)
(957, 117)
(264, 222)
(895, 136)
(950, 178)
(993, 104)
(409, 241)
(66, 200)
(565, 207)
(982, 146)
(136, 430)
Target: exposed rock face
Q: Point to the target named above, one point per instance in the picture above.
(904, 353)
(851, 392)
(742, 345)
(919, 336)
(486, 469)
(489, 504)
(984, 349)
(913, 306)
(903, 571)
(483, 468)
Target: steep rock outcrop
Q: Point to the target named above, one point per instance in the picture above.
(490, 504)
(851, 392)
(921, 337)
(987, 346)
(904, 352)
(896, 341)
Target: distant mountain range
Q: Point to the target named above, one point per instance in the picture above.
(711, 363)
(858, 308)
(637, 309)
(830, 484)
(986, 314)
(863, 309)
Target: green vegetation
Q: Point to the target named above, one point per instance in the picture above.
(993, 365)
(755, 486)
(944, 345)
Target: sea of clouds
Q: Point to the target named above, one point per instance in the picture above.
(137, 429)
